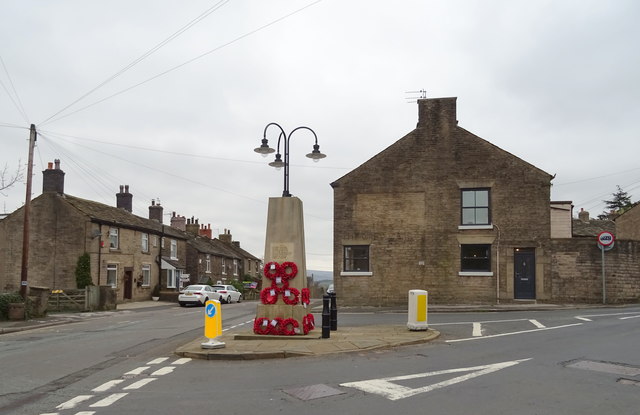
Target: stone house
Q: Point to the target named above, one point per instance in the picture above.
(125, 250)
(248, 265)
(444, 210)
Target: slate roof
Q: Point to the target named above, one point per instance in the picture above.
(212, 246)
(101, 213)
(593, 227)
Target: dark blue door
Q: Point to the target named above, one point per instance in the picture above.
(524, 265)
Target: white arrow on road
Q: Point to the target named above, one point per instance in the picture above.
(386, 388)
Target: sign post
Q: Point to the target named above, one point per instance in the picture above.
(212, 325)
(606, 241)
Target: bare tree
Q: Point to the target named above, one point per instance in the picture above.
(9, 179)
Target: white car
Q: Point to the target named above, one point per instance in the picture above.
(197, 295)
(228, 293)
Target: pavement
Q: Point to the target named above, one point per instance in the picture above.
(244, 345)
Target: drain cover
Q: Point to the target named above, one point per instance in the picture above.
(607, 367)
(308, 393)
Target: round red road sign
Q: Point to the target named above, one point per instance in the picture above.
(605, 238)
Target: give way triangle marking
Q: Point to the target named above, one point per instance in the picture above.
(390, 390)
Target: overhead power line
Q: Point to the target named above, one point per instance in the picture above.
(50, 119)
(145, 55)
(16, 102)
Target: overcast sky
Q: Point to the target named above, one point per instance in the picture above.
(553, 82)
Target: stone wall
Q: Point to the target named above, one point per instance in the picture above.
(577, 271)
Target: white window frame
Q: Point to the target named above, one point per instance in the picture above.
(207, 264)
(113, 269)
(171, 278)
(144, 241)
(235, 267)
(174, 249)
(114, 238)
(146, 275)
(224, 268)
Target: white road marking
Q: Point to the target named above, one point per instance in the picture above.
(627, 318)
(477, 330)
(611, 314)
(512, 333)
(72, 403)
(392, 391)
(139, 384)
(108, 400)
(481, 322)
(537, 324)
(137, 370)
(158, 361)
(108, 385)
(584, 319)
(182, 361)
(85, 413)
(163, 371)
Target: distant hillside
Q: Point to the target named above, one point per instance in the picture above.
(320, 275)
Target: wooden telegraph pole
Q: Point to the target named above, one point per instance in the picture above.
(27, 209)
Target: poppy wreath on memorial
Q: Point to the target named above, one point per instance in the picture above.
(305, 297)
(286, 323)
(288, 275)
(308, 323)
(269, 295)
(275, 326)
(287, 293)
(261, 326)
(272, 273)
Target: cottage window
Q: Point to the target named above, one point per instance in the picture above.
(235, 267)
(171, 278)
(113, 238)
(145, 242)
(356, 258)
(475, 258)
(174, 249)
(146, 275)
(475, 207)
(224, 268)
(207, 264)
(112, 275)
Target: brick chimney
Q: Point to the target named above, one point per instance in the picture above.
(437, 115)
(206, 231)
(53, 178)
(155, 211)
(192, 226)
(583, 215)
(124, 199)
(178, 222)
(226, 236)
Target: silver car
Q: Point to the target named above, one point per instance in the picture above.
(228, 293)
(197, 295)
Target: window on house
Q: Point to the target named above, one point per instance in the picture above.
(113, 238)
(224, 268)
(162, 243)
(356, 258)
(154, 241)
(207, 264)
(174, 249)
(146, 275)
(171, 278)
(145, 242)
(235, 267)
(475, 207)
(475, 258)
(112, 275)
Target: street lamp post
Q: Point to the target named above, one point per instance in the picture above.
(278, 163)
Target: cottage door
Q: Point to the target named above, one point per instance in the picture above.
(524, 267)
(128, 284)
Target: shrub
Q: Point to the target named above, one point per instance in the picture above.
(5, 300)
(83, 271)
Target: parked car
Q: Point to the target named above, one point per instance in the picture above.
(228, 293)
(197, 295)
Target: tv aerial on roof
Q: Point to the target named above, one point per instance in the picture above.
(422, 94)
